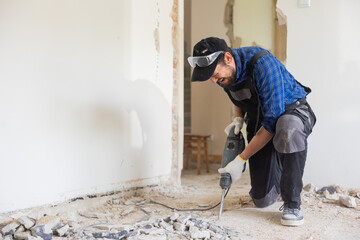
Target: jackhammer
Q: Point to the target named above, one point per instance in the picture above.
(234, 145)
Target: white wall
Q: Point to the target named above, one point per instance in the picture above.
(323, 53)
(85, 98)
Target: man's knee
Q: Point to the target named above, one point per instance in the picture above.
(289, 136)
(269, 199)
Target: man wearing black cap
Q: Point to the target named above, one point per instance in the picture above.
(277, 115)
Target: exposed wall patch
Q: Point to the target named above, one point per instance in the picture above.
(228, 22)
(175, 172)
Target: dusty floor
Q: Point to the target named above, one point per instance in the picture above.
(324, 219)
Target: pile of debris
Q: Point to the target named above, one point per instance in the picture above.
(52, 227)
(333, 194)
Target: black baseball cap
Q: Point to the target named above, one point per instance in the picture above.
(203, 48)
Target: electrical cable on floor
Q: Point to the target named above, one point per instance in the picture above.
(185, 210)
(148, 216)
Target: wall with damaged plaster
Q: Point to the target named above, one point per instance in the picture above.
(211, 110)
(86, 91)
(253, 23)
(323, 53)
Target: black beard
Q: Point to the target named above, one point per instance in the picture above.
(231, 79)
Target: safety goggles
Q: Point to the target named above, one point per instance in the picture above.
(204, 61)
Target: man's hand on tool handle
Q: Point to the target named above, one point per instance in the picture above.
(235, 168)
(238, 123)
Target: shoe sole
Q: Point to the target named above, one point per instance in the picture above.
(292, 222)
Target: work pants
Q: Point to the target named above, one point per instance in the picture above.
(277, 169)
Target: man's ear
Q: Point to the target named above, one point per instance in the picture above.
(228, 58)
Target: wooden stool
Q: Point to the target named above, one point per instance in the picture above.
(200, 142)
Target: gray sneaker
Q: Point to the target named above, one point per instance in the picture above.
(291, 216)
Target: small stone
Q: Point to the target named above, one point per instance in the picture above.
(42, 231)
(309, 187)
(174, 217)
(8, 237)
(329, 196)
(20, 229)
(183, 219)
(10, 228)
(158, 231)
(348, 201)
(166, 226)
(178, 226)
(197, 233)
(216, 229)
(63, 230)
(34, 238)
(102, 227)
(204, 205)
(22, 235)
(358, 195)
(26, 221)
(330, 189)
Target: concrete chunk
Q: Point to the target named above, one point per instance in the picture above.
(42, 231)
(310, 188)
(10, 228)
(26, 222)
(8, 237)
(63, 230)
(5, 221)
(195, 232)
(22, 235)
(348, 201)
(51, 222)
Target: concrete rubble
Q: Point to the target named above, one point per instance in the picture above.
(175, 226)
(334, 194)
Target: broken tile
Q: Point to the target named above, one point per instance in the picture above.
(26, 221)
(42, 231)
(10, 228)
(348, 201)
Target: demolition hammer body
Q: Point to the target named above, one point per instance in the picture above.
(234, 145)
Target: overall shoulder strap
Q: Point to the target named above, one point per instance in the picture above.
(254, 59)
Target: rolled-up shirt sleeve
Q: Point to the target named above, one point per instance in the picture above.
(270, 86)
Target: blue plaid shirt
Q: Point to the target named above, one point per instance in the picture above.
(276, 86)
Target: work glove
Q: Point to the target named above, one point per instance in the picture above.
(238, 123)
(236, 167)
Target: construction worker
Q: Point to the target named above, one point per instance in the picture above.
(273, 105)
